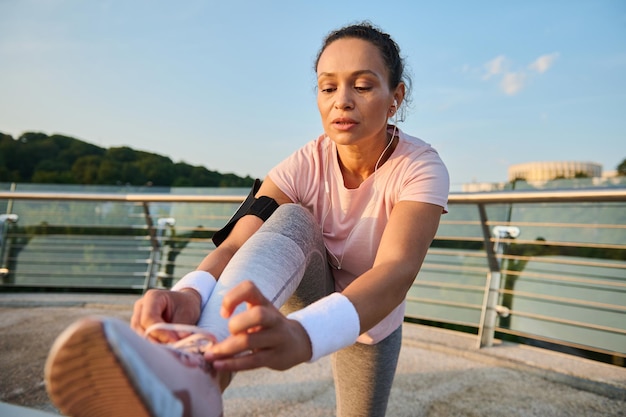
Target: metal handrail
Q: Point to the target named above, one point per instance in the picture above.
(499, 197)
(121, 198)
(545, 196)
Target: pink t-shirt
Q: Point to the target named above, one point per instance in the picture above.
(353, 220)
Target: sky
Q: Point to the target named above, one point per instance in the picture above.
(230, 85)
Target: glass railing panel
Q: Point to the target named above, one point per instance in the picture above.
(107, 236)
(601, 223)
(449, 287)
(567, 298)
(563, 278)
(78, 261)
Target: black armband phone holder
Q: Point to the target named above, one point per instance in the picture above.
(262, 207)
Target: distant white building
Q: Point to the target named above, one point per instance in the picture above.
(541, 173)
(546, 171)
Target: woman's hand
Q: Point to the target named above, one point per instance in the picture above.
(261, 336)
(158, 306)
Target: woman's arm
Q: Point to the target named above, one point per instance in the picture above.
(270, 339)
(184, 306)
(403, 246)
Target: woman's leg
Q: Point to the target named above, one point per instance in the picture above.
(287, 251)
(364, 375)
(285, 257)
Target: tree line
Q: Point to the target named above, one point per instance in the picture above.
(38, 158)
(56, 159)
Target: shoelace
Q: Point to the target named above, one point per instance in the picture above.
(191, 346)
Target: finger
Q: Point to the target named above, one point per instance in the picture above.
(245, 292)
(153, 311)
(135, 323)
(245, 362)
(254, 319)
(229, 347)
(242, 344)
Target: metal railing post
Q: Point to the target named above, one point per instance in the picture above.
(487, 316)
(5, 219)
(156, 246)
(162, 224)
(490, 308)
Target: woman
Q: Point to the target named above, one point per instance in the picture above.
(335, 236)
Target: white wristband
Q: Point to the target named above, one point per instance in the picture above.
(332, 323)
(201, 281)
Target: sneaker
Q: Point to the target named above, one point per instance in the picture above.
(99, 367)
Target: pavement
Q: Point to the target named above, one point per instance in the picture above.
(440, 372)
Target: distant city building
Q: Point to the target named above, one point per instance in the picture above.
(546, 171)
(539, 175)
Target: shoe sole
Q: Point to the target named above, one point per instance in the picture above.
(84, 378)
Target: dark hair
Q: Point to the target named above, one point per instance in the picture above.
(389, 50)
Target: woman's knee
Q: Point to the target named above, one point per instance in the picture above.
(292, 212)
(294, 221)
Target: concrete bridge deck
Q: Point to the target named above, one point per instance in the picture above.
(440, 373)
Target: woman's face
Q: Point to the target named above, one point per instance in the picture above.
(353, 97)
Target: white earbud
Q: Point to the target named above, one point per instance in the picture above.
(394, 108)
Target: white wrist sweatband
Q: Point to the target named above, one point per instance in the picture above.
(332, 323)
(201, 281)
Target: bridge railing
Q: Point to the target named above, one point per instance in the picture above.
(543, 266)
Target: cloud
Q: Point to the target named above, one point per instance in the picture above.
(495, 67)
(543, 63)
(512, 82)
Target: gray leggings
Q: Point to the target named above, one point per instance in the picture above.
(286, 259)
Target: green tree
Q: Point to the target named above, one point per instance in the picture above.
(121, 154)
(157, 170)
(109, 172)
(621, 169)
(85, 169)
(8, 166)
(132, 174)
(76, 149)
(53, 171)
(37, 157)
